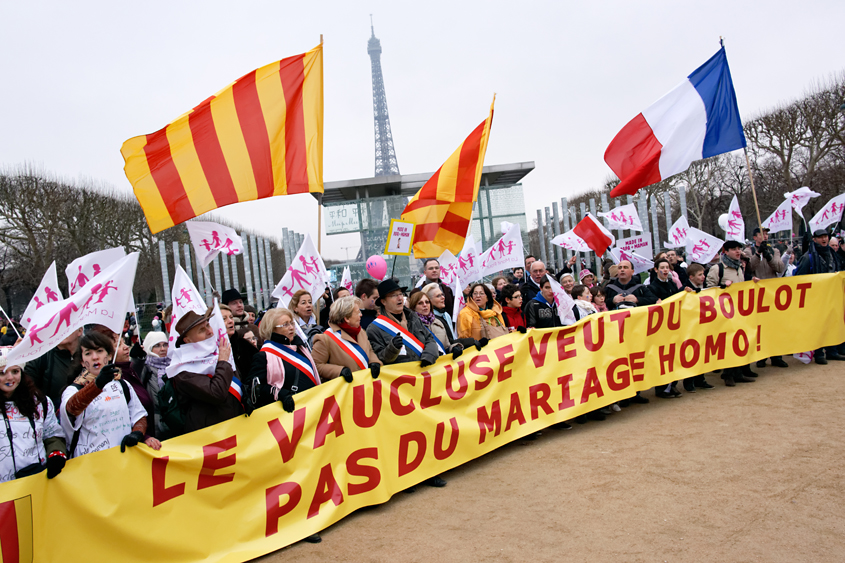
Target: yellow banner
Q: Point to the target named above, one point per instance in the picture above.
(250, 486)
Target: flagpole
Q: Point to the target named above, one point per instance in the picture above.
(320, 205)
(753, 191)
(10, 322)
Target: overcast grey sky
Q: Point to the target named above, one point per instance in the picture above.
(79, 78)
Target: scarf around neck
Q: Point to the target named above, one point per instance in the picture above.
(350, 330)
(731, 263)
(427, 319)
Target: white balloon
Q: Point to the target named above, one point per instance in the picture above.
(723, 221)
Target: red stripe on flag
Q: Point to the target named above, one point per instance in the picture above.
(254, 129)
(426, 232)
(592, 234)
(9, 547)
(455, 224)
(468, 162)
(429, 190)
(166, 177)
(634, 155)
(292, 74)
(210, 154)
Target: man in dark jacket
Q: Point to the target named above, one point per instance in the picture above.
(624, 292)
(820, 259)
(531, 287)
(394, 346)
(52, 371)
(398, 336)
(367, 292)
(431, 271)
(206, 398)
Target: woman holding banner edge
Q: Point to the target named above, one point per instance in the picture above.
(344, 346)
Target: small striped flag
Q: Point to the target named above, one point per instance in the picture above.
(16, 531)
(442, 209)
(261, 136)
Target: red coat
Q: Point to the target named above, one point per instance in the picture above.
(513, 316)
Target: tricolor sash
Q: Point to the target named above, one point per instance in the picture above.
(358, 355)
(236, 388)
(293, 358)
(437, 341)
(393, 328)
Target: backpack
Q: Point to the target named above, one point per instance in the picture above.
(311, 332)
(171, 413)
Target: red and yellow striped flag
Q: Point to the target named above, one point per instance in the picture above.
(16, 531)
(442, 209)
(260, 136)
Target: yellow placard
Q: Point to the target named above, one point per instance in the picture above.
(250, 486)
(400, 238)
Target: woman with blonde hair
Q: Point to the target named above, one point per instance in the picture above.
(422, 305)
(481, 318)
(344, 347)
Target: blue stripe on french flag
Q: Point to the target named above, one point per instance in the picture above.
(699, 118)
(236, 388)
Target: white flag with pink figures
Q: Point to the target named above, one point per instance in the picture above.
(570, 241)
(505, 253)
(829, 214)
(85, 268)
(640, 263)
(48, 292)
(678, 233)
(210, 239)
(346, 279)
(469, 262)
(623, 217)
(306, 271)
(800, 197)
(736, 224)
(701, 247)
(185, 297)
(781, 219)
(564, 303)
(103, 301)
(448, 267)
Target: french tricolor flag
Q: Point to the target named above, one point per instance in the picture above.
(698, 119)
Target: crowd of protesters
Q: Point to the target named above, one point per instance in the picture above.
(98, 389)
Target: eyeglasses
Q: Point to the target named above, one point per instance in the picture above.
(285, 325)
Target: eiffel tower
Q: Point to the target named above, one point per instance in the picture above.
(386, 164)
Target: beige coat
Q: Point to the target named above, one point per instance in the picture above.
(330, 358)
(732, 274)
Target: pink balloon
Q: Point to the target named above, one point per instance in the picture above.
(376, 267)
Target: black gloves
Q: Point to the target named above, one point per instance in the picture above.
(425, 363)
(107, 374)
(55, 464)
(375, 369)
(397, 342)
(479, 344)
(130, 440)
(456, 352)
(346, 374)
(136, 352)
(520, 329)
(286, 398)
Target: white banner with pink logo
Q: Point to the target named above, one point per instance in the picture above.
(469, 262)
(781, 219)
(640, 263)
(448, 267)
(701, 247)
(800, 197)
(829, 214)
(306, 271)
(564, 303)
(346, 279)
(103, 301)
(678, 233)
(736, 224)
(210, 239)
(623, 217)
(48, 292)
(85, 268)
(506, 253)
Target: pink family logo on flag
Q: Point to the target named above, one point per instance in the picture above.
(829, 214)
(735, 223)
(623, 217)
(800, 197)
(505, 253)
(306, 271)
(701, 247)
(698, 119)
(346, 279)
(639, 263)
(678, 233)
(103, 303)
(210, 239)
(469, 264)
(563, 302)
(47, 292)
(448, 267)
(781, 219)
(570, 241)
(84, 269)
